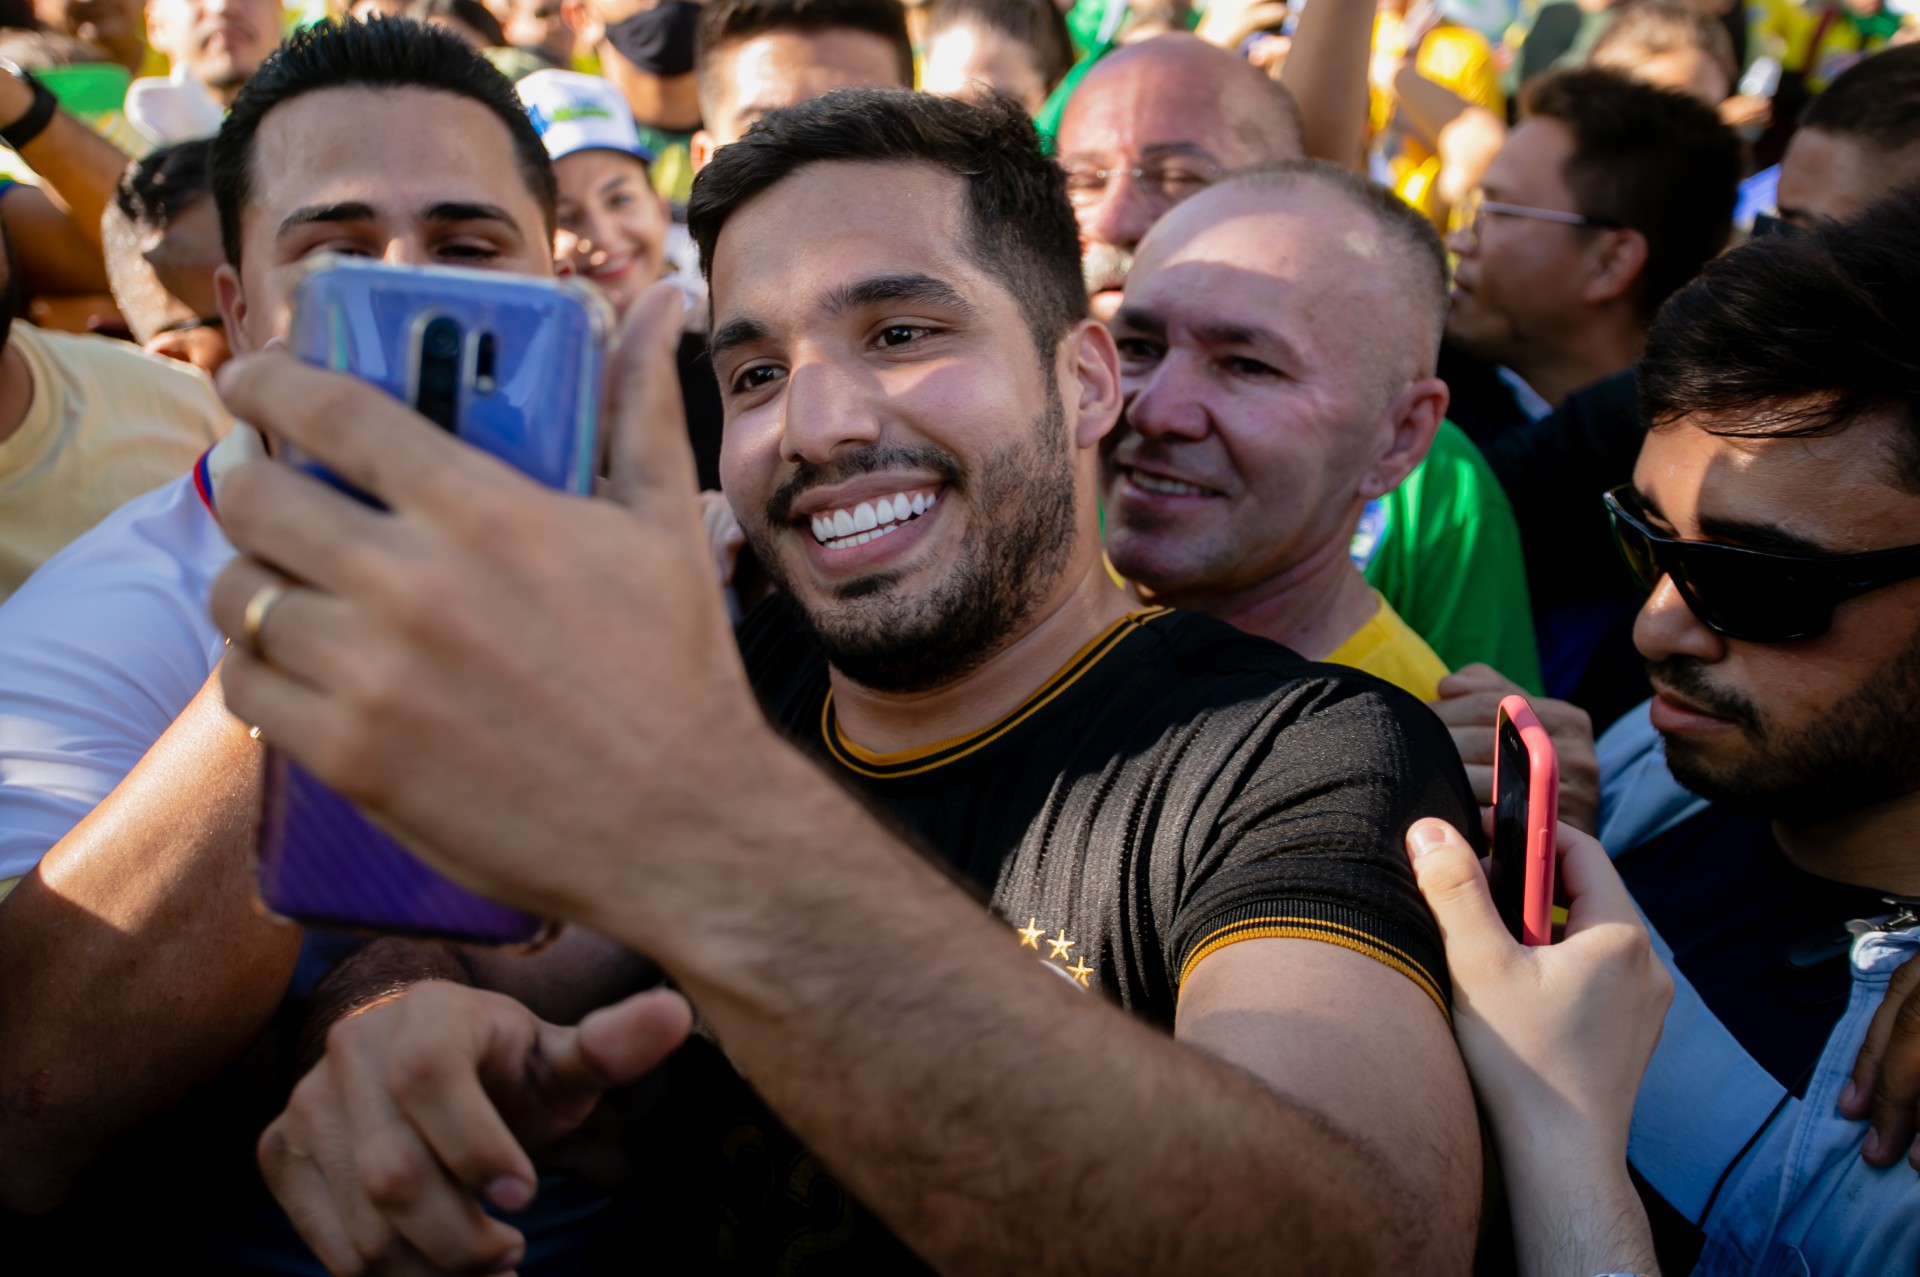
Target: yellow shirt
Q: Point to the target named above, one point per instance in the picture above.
(1385, 648)
(108, 422)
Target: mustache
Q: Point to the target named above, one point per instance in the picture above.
(1684, 675)
(1104, 266)
(870, 460)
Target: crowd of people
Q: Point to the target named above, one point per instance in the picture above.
(1011, 739)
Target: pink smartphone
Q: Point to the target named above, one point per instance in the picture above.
(1526, 811)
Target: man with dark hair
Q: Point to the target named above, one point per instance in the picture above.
(1858, 139)
(162, 239)
(1768, 798)
(1608, 196)
(1167, 813)
(756, 56)
(150, 995)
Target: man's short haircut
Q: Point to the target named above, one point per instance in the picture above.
(1649, 28)
(1021, 229)
(1037, 25)
(1424, 274)
(158, 187)
(1876, 101)
(382, 54)
(1649, 159)
(152, 192)
(724, 22)
(1799, 335)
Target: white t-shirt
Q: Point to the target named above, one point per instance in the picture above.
(99, 652)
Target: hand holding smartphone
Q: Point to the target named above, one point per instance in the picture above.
(511, 365)
(1526, 812)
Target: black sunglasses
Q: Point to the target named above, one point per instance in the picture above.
(1755, 596)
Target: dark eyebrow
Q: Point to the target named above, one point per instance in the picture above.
(1761, 536)
(357, 211)
(1140, 321)
(1741, 532)
(924, 289)
(1224, 334)
(735, 332)
(307, 216)
(458, 211)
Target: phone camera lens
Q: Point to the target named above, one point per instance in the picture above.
(443, 339)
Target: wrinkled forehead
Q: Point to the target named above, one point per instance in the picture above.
(1138, 108)
(1312, 242)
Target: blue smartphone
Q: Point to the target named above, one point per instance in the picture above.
(509, 364)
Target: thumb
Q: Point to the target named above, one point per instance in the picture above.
(648, 455)
(1455, 888)
(611, 1047)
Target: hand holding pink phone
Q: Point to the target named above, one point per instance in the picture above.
(1526, 807)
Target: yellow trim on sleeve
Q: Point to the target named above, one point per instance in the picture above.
(7, 885)
(1315, 929)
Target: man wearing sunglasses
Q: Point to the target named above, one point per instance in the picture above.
(1764, 808)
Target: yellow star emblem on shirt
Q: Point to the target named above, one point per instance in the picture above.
(1059, 946)
(1030, 934)
(1080, 971)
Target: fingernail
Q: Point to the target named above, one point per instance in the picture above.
(1871, 1149)
(276, 343)
(1847, 1093)
(1427, 836)
(510, 1193)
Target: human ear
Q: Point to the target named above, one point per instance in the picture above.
(1414, 417)
(1620, 259)
(1094, 371)
(233, 308)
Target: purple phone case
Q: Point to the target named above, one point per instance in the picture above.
(321, 861)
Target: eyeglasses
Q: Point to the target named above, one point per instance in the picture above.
(1172, 180)
(1756, 596)
(1475, 208)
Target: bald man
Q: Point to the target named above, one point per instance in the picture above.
(1149, 126)
(1277, 340)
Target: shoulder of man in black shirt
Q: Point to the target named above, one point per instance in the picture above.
(1178, 787)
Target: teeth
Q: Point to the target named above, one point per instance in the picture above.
(1167, 487)
(869, 520)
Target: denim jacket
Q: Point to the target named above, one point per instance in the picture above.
(1776, 1183)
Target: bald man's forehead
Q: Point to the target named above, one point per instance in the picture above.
(1177, 96)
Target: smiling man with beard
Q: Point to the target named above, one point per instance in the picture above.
(1775, 514)
(1200, 1022)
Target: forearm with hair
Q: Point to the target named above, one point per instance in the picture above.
(1574, 1211)
(992, 1115)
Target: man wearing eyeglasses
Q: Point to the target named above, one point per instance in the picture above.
(1151, 125)
(1764, 808)
(1608, 196)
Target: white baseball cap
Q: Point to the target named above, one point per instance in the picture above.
(574, 112)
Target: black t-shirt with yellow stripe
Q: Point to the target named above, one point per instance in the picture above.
(1176, 787)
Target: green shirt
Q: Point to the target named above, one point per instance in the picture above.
(1444, 550)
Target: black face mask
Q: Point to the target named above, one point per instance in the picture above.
(659, 40)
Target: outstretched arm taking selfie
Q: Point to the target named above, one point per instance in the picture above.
(1556, 1038)
(989, 1112)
